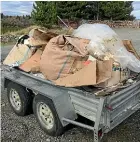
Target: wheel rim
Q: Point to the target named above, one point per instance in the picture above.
(15, 99)
(45, 115)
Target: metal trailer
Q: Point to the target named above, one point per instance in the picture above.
(66, 104)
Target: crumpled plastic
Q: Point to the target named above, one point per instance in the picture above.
(104, 42)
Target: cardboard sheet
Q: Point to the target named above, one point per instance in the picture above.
(39, 37)
(129, 46)
(104, 70)
(115, 79)
(92, 74)
(33, 63)
(19, 54)
(85, 76)
(117, 76)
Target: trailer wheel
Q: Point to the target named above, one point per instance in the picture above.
(19, 99)
(47, 116)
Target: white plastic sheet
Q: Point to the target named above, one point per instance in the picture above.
(105, 42)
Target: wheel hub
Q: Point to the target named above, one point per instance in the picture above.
(46, 115)
(15, 99)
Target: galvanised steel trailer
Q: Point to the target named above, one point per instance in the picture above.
(55, 107)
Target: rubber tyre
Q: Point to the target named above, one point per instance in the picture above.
(25, 97)
(57, 128)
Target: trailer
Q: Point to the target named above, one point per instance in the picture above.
(55, 107)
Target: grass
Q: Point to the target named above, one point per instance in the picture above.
(26, 30)
(22, 31)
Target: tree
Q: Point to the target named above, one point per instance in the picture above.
(91, 10)
(13, 23)
(71, 9)
(129, 9)
(116, 10)
(18, 17)
(44, 13)
(2, 16)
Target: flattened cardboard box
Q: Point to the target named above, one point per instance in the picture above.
(33, 63)
(19, 53)
(116, 77)
(88, 75)
(85, 76)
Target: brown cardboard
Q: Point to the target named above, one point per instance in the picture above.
(115, 79)
(129, 46)
(33, 63)
(115, 76)
(85, 76)
(78, 65)
(60, 54)
(88, 75)
(104, 69)
(39, 37)
(18, 53)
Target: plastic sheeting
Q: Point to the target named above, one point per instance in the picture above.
(104, 42)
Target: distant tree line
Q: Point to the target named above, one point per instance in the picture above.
(45, 12)
(14, 23)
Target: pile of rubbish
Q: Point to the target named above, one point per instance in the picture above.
(93, 55)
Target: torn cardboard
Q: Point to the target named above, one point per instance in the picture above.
(60, 54)
(39, 37)
(19, 54)
(83, 77)
(115, 79)
(87, 75)
(33, 63)
(117, 75)
(104, 69)
(129, 46)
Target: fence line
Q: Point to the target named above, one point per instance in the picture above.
(112, 24)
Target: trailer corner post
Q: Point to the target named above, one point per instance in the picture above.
(98, 118)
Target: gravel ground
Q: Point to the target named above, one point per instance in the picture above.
(26, 129)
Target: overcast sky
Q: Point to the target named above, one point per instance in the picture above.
(25, 8)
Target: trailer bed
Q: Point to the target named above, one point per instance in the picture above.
(105, 111)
